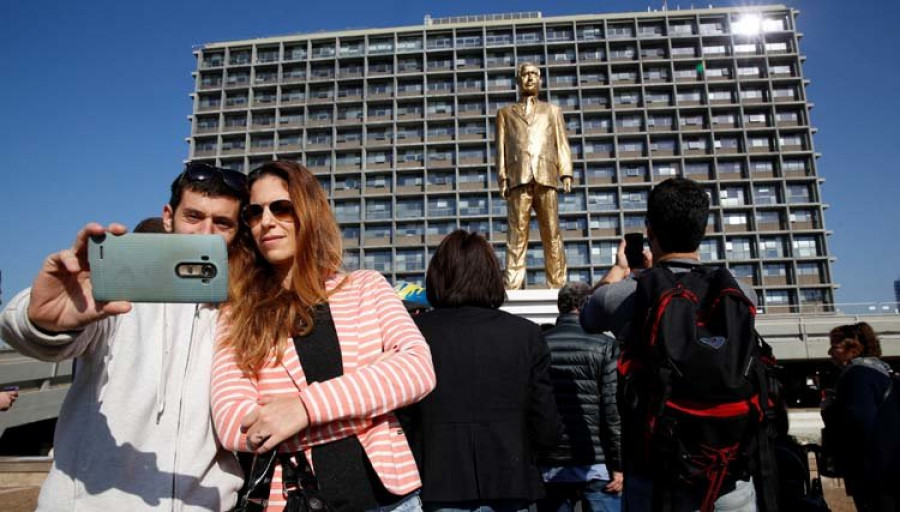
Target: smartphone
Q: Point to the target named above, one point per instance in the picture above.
(11, 388)
(634, 250)
(145, 267)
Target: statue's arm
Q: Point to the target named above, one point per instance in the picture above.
(564, 153)
(500, 143)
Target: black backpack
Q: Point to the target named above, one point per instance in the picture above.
(693, 386)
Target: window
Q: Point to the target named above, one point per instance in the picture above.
(689, 96)
(407, 44)
(378, 260)
(777, 47)
(773, 24)
(765, 194)
(718, 72)
(577, 253)
(660, 121)
(778, 297)
(378, 158)
(791, 140)
(781, 69)
(620, 31)
(473, 205)
(410, 208)
(207, 145)
(441, 206)
(667, 169)
(771, 248)
(774, 270)
(602, 201)
(732, 196)
(755, 118)
(635, 200)
(734, 219)
(323, 138)
(696, 144)
(752, 94)
(628, 97)
(651, 30)
(727, 143)
(768, 217)
(809, 269)
(663, 145)
(720, 95)
(684, 51)
(410, 229)
(624, 121)
(759, 143)
(699, 170)
(378, 209)
(408, 260)
(739, 249)
(805, 247)
(604, 253)
(346, 211)
(381, 45)
(604, 222)
(798, 193)
(709, 250)
(590, 32)
(812, 296)
(656, 74)
(347, 183)
(788, 93)
(715, 49)
(659, 97)
(762, 167)
(633, 222)
(623, 52)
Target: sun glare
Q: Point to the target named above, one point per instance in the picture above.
(748, 25)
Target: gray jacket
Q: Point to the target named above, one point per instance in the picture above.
(583, 373)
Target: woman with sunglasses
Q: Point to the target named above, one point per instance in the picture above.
(311, 359)
(856, 419)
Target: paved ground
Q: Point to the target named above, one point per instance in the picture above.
(24, 499)
(806, 426)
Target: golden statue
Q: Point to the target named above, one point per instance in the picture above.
(532, 156)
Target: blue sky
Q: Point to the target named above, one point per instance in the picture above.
(96, 104)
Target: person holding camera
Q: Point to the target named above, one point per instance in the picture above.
(134, 432)
(677, 214)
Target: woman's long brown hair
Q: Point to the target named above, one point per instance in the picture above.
(263, 314)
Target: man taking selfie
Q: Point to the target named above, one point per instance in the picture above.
(134, 432)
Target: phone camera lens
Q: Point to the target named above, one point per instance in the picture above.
(208, 271)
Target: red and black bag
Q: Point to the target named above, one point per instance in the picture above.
(693, 384)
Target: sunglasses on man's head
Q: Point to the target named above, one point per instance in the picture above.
(199, 171)
(282, 210)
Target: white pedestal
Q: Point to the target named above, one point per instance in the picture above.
(539, 306)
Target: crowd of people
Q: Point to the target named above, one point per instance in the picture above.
(337, 396)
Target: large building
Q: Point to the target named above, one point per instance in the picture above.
(398, 124)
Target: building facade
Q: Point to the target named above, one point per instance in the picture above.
(398, 125)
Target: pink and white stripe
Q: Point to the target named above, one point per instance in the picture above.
(370, 320)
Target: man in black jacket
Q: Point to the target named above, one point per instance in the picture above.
(586, 465)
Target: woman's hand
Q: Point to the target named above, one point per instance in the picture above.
(276, 419)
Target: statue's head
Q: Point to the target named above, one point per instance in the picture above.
(528, 76)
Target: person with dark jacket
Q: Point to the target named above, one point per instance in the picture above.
(475, 437)
(586, 465)
(866, 459)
